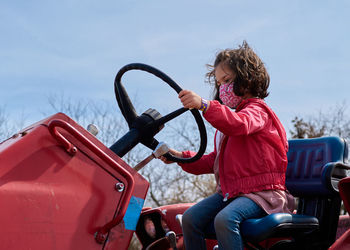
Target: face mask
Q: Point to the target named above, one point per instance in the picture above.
(227, 95)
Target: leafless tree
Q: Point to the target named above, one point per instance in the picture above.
(2, 123)
(103, 114)
(7, 126)
(334, 122)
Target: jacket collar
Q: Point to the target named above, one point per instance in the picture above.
(244, 102)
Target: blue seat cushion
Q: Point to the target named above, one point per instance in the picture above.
(277, 225)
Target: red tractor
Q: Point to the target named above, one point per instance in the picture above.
(61, 188)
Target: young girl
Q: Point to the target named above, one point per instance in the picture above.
(250, 154)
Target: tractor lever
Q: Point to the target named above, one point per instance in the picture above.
(160, 150)
(171, 236)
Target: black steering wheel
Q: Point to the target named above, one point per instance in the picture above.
(143, 128)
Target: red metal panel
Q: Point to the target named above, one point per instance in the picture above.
(342, 243)
(50, 199)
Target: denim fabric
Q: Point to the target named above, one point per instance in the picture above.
(215, 216)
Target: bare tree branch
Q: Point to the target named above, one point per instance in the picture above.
(335, 122)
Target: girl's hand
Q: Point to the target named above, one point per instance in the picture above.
(174, 153)
(190, 99)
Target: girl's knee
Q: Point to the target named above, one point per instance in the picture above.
(225, 222)
(187, 218)
(220, 221)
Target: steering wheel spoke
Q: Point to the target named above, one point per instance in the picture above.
(151, 145)
(171, 116)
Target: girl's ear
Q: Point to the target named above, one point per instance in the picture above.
(238, 89)
(247, 94)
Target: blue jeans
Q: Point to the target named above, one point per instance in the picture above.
(214, 216)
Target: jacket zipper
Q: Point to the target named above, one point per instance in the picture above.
(225, 198)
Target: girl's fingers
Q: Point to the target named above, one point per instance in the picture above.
(189, 99)
(183, 92)
(187, 104)
(163, 159)
(174, 153)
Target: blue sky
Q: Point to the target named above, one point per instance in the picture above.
(75, 48)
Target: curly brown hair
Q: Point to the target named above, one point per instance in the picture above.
(251, 74)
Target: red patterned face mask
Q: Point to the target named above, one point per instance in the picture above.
(227, 95)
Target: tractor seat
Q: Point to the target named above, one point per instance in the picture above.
(315, 167)
(277, 225)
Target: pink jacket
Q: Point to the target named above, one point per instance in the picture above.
(253, 154)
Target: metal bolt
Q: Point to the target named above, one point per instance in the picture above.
(100, 238)
(93, 129)
(15, 136)
(72, 150)
(119, 187)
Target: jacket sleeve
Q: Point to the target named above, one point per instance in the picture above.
(250, 119)
(203, 166)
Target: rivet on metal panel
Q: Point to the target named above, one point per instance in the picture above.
(119, 187)
(72, 150)
(100, 238)
(15, 136)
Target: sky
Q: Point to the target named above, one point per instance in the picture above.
(75, 48)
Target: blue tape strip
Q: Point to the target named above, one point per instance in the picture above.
(133, 212)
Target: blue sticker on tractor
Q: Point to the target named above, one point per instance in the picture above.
(133, 212)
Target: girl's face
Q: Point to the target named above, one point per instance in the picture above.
(223, 74)
(224, 79)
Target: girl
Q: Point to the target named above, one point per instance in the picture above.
(250, 154)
